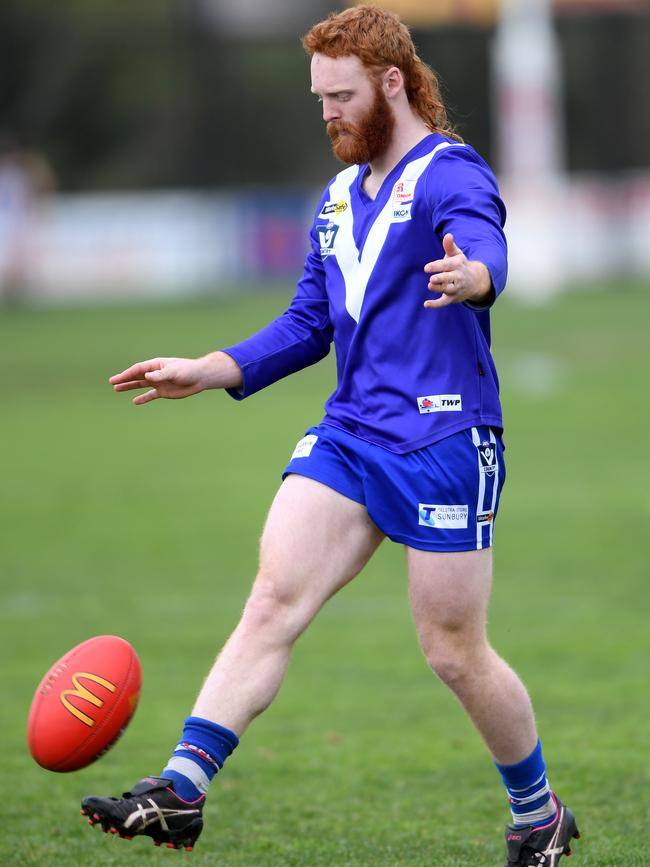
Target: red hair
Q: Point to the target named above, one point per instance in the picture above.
(380, 40)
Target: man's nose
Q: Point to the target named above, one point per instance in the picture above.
(331, 111)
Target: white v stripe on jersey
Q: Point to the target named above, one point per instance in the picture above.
(356, 267)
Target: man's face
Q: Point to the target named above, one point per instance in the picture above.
(359, 118)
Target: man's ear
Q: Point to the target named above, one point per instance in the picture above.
(393, 81)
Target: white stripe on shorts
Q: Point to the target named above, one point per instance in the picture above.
(495, 483)
(481, 490)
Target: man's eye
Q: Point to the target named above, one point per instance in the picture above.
(343, 97)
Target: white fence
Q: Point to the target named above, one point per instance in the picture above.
(166, 244)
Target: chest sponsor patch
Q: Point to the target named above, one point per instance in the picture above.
(440, 403)
(333, 208)
(304, 446)
(442, 517)
(402, 213)
(326, 238)
(403, 192)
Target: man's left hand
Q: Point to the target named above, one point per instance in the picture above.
(457, 278)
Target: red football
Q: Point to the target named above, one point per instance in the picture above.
(84, 703)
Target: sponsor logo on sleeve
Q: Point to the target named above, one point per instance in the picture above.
(440, 403)
(326, 238)
(304, 446)
(333, 208)
(442, 517)
(488, 458)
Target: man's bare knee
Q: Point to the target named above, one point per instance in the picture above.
(454, 656)
(273, 609)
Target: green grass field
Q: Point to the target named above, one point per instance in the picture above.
(144, 522)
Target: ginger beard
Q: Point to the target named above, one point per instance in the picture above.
(364, 142)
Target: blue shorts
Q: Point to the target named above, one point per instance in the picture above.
(443, 497)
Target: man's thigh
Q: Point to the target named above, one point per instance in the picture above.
(450, 591)
(315, 541)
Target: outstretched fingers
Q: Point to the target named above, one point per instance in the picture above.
(444, 301)
(148, 396)
(138, 376)
(129, 386)
(136, 373)
(171, 378)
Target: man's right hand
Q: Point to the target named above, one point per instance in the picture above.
(173, 378)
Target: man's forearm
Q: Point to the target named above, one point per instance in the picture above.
(482, 283)
(220, 370)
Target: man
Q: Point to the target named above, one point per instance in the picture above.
(410, 446)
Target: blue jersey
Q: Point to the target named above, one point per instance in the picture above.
(407, 376)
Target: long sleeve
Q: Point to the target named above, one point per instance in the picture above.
(299, 337)
(465, 200)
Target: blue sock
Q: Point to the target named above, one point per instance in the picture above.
(200, 753)
(531, 800)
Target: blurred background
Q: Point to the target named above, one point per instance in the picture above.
(172, 146)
